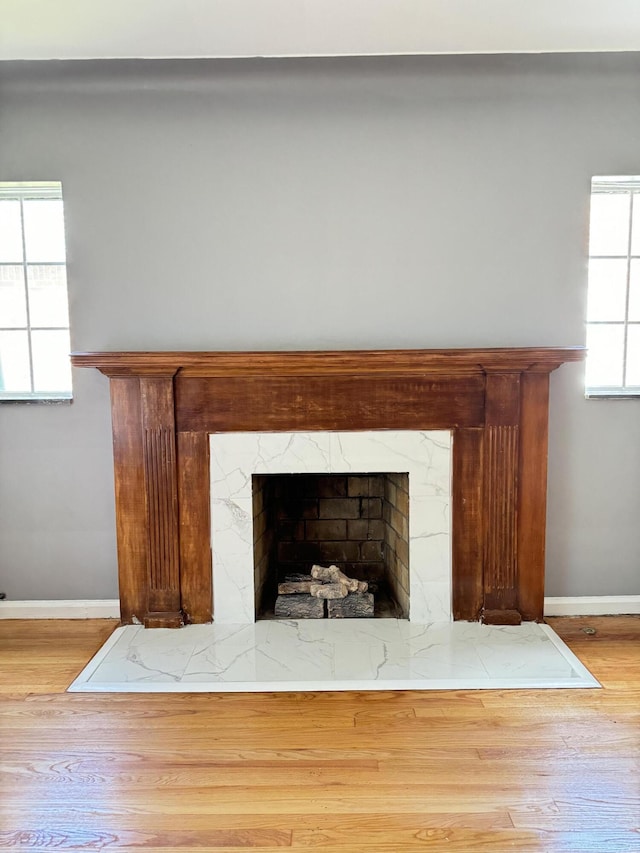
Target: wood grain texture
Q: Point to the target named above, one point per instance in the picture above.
(467, 523)
(502, 403)
(532, 495)
(500, 498)
(500, 484)
(129, 480)
(360, 402)
(537, 771)
(311, 363)
(159, 458)
(159, 452)
(195, 545)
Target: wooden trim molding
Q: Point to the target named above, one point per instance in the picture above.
(160, 478)
(164, 405)
(323, 363)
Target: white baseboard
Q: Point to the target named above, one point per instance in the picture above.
(105, 608)
(592, 605)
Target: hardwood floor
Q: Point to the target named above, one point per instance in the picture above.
(459, 771)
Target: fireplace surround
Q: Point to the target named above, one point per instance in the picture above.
(165, 405)
(426, 458)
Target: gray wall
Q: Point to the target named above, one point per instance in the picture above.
(417, 202)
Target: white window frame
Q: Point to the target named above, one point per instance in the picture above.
(627, 185)
(22, 191)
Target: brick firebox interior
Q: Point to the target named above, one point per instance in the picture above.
(358, 522)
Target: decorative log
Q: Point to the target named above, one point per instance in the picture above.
(299, 607)
(294, 587)
(353, 606)
(328, 590)
(332, 574)
(322, 573)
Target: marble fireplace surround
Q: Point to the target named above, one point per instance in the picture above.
(425, 456)
(166, 405)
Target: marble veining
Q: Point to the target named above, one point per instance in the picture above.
(424, 455)
(348, 654)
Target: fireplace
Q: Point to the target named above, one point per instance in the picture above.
(168, 407)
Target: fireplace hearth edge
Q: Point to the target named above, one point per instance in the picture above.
(165, 405)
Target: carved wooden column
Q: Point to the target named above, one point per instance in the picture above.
(532, 492)
(160, 477)
(146, 491)
(501, 462)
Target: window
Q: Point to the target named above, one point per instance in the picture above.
(34, 313)
(613, 307)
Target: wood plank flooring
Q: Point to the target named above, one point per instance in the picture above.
(547, 771)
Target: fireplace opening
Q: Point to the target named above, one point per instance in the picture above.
(356, 522)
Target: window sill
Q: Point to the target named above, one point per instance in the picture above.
(38, 399)
(612, 393)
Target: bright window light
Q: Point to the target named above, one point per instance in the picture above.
(34, 311)
(613, 305)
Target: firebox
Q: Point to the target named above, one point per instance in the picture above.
(356, 522)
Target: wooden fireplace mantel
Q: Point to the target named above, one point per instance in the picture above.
(165, 404)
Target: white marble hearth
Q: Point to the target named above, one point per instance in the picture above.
(314, 655)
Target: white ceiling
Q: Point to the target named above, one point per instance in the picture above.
(86, 29)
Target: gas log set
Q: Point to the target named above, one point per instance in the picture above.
(326, 592)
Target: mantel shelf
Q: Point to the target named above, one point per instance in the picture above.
(331, 362)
